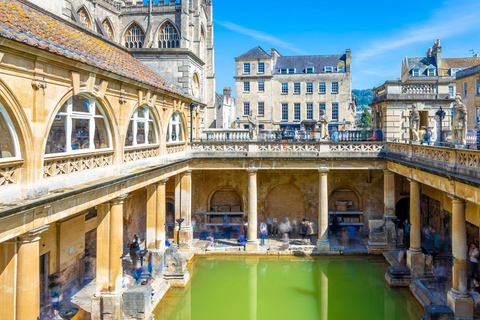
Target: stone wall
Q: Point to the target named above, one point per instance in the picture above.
(134, 216)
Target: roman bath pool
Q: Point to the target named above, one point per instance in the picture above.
(288, 288)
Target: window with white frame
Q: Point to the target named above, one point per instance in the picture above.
(246, 86)
(309, 111)
(141, 129)
(284, 111)
(453, 71)
(309, 70)
(334, 111)
(246, 108)
(291, 70)
(334, 87)
(322, 88)
(80, 125)
(322, 109)
(175, 129)
(261, 109)
(464, 89)
(284, 88)
(9, 146)
(296, 88)
(261, 86)
(340, 69)
(134, 37)
(328, 69)
(283, 71)
(477, 117)
(477, 87)
(309, 87)
(431, 72)
(261, 67)
(246, 68)
(451, 91)
(416, 72)
(168, 37)
(296, 112)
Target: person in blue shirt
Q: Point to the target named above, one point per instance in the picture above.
(167, 243)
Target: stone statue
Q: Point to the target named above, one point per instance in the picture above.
(253, 126)
(324, 135)
(414, 122)
(459, 121)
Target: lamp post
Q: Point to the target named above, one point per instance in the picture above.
(192, 106)
(179, 221)
(441, 115)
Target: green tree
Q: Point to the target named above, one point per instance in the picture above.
(365, 120)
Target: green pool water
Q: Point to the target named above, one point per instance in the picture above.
(288, 288)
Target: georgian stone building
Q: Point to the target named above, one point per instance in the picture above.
(427, 81)
(468, 82)
(224, 109)
(173, 39)
(291, 91)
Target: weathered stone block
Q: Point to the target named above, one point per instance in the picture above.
(136, 302)
(437, 312)
(462, 307)
(398, 276)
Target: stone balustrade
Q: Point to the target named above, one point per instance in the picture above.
(225, 135)
(140, 153)
(419, 88)
(458, 161)
(65, 164)
(9, 171)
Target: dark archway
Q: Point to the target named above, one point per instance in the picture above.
(170, 218)
(402, 209)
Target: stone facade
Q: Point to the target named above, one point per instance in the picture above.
(270, 82)
(224, 109)
(468, 82)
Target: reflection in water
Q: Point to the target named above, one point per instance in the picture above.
(288, 288)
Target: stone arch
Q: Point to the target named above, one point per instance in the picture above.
(85, 17)
(402, 209)
(345, 193)
(108, 27)
(136, 39)
(196, 85)
(107, 109)
(225, 196)
(285, 200)
(171, 37)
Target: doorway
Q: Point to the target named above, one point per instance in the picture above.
(402, 209)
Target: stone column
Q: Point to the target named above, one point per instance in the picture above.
(252, 241)
(458, 298)
(151, 216)
(186, 234)
(28, 276)
(7, 279)
(389, 208)
(178, 205)
(161, 209)
(323, 243)
(106, 304)
(415, 257)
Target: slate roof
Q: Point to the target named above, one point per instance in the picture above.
(256, 52)
(300, 63)
(460, 62)
(34, 28)
(422, 62)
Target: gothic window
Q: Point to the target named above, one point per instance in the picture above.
(134, 37)
(168, 37)
(108, 28)
(84, 19)
(175, 129)
(142, 129)
(80, 125)
(9, 147)
(196, 86)
(202, 42)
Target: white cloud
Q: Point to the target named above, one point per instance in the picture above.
(259, 35)
(454, 19)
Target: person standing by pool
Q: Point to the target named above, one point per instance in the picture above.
(406, 234)
(303, 230)
(226, 227)
(263, 232)
(269, 226)
(473, 254)
(310, 232)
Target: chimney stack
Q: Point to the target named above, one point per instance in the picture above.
(227, 91)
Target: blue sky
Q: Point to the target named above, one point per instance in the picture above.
(379, 33)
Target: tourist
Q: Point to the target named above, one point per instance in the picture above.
(211, 239)
(288, 227)
(242, 240)
(476, 285)
(474, 255)
(167, 242)
(134, 249)
(440, 273)
(310, 232)
(275, 227)
(285, 242)
(334, 225)
(269, 226)
(303, 230)
(55, 295)
(263, 232)
(406, 233)
(137, 273)
(126, 280)
(226, 227)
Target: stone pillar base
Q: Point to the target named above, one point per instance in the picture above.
(416, 263)
(252, 246)
(462, 305)
(323, 245)
(106, 306)
(185, 241)
(156, 263)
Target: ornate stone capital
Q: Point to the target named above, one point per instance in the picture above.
(39, 84)
(323, 171)
(120, 199)
(252, 170)
(456, 198)
(163, 181)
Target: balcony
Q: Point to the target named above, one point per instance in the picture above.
(396, 90)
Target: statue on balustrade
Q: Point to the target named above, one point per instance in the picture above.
(252, 126)
(459, 121)
(324, 135)
(414, 122)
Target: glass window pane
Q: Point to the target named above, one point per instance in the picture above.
(180, 133)
(129, 136)
(80, 104)
(140, 132)
(80, 134)
(140, 113)
(174, 132)
(7, 148)
(152, 136)
(56, 141)
(100, 138)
